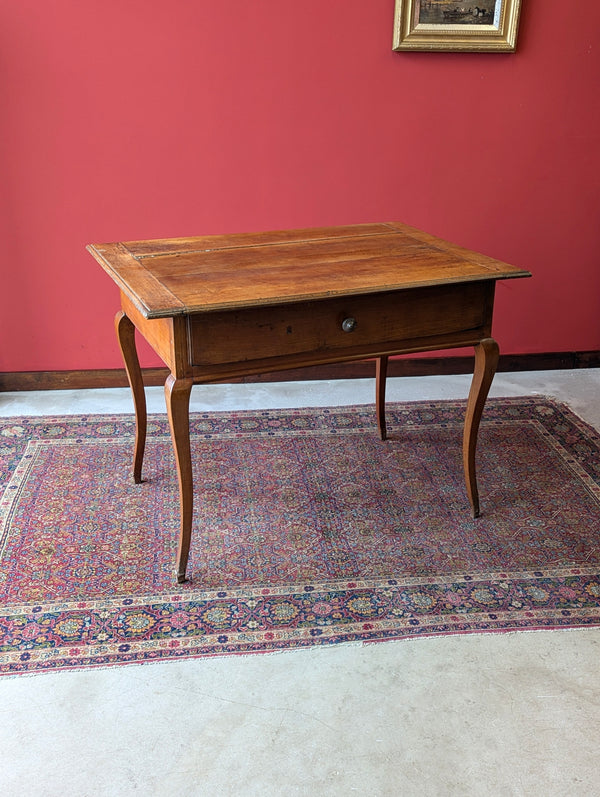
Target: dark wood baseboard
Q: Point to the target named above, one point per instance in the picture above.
(409, 366)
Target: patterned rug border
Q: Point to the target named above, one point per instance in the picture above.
(135, 629)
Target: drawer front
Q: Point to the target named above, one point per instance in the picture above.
(324, 329)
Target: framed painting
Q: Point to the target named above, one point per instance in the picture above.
(456, 25)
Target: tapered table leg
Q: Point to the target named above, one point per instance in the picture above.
(126, 337)
(486, 362)
(177, 395)
(380, 379)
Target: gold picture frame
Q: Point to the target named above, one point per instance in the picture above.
(456, 25)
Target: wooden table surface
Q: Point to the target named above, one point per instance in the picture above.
(179, 276)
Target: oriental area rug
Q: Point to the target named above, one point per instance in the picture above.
(308, 530)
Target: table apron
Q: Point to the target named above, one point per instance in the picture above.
(251, 340)
(214, 346)
(166, 336)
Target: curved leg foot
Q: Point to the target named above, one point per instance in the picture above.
(486, 362)
(126, 337)
(380, 379)
(177, 396)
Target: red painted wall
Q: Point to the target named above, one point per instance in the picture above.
(128, 119)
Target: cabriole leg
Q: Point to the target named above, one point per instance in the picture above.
(380, 379)
(177, 395)
(126, 337)
(486, 362)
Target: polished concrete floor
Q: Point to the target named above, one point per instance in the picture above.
(497, 714)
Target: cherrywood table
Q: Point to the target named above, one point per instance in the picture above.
(226, 306)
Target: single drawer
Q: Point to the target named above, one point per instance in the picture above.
(325, 328)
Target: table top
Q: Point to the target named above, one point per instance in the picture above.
(180, 276)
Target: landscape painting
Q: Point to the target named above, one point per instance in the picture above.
(456, 25)
(450, 12)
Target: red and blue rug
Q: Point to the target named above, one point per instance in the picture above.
(308, 530)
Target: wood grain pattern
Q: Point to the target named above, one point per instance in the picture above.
(384, 322)
(165, 278)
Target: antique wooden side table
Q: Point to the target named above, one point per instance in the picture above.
(226, 306)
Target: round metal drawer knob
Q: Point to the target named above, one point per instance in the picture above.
(349, 324)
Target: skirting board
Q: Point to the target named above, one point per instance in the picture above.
(422, 366)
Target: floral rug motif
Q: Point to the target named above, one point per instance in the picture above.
(308, 530)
